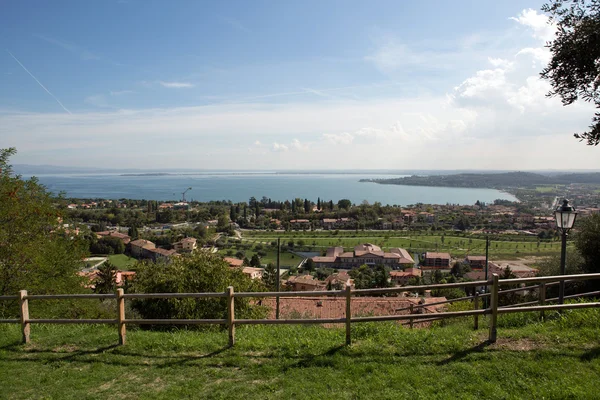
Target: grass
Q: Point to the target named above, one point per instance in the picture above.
(122, 261)
(286, 259)
(557, 359)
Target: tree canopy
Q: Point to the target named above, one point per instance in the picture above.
(574, 70)
(36, 252)
(201, 272)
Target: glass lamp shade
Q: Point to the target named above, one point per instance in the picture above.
(565, 216)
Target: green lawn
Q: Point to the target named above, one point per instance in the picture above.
(122, 262)
(556, 360)
(286, 259)
(457, 246)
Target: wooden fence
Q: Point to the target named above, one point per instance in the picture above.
(231, 322)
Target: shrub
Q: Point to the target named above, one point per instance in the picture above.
(199, 273)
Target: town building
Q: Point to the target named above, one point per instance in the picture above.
(436, 260)
(141, 248)
(401, 278)
(186, 245)
(125, 238)
(475, 262)
(305, 283)
(368, 254)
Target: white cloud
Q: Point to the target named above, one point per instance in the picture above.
(279, 147)
(176, 85)
(338, 138)
(538, 23)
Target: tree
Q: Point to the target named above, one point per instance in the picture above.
(269, 277)
(36, 253)
(366, 277)
(309, 265)
(587, 241)
(574, 71)
(201, 272)
(255, 261)
(344, 203)
(133, 233)
(106, 280)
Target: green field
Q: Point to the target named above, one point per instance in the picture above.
(556, 360)
(122, 262)
(286, 259)
(457, 246)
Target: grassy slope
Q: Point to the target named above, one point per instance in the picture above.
(457, 246)
(559, 359)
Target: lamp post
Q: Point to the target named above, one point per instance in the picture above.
(565, 218)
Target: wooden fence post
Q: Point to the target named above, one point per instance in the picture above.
(411, 313)
(121, 317)
(24, 311)
(494, 309)
(476, 307)
(230, 315)
(542, 299)
(348, 293)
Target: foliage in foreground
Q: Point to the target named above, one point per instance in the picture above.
(36, 254)
(202, 272)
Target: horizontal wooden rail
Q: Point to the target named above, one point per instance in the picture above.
(572, 296)
(9, 297)
(175, 321)
(171, 295)
(548, 307)
(423, 287)
(289, 321)
(540, 279)
(69, 296)
(420, 316)
(9, 321)
(70, 321)
(291, 294)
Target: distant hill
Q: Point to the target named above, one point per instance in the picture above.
(491, 180)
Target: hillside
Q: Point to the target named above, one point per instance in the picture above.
(558, 359)
(491, 180)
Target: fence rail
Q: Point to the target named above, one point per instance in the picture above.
(493, 310)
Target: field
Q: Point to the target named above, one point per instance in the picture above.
(286, 259)
(557, 359)
(121, 261)
(507, 246)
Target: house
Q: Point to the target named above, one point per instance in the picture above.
(158, 254)
(123, 276)
(124, 238)
(253, 273)
(436, 260)
(186, 245)
(401, 278)
(141, 248)
(339, 280)
(475, 262)
(305, 283)
(233, 262)
(368, 254)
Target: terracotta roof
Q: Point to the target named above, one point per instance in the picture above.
(475, 258)
(166, 253)
(430, 254)
(234, 262)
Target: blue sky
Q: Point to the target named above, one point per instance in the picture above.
(281, 84)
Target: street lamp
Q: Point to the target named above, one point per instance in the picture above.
(565, 218)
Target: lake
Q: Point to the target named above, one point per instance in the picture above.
(241, 186)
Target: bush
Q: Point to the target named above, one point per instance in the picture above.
(199, 273)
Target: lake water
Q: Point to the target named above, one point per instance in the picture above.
(240, 187)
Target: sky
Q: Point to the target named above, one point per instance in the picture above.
(268, 85)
